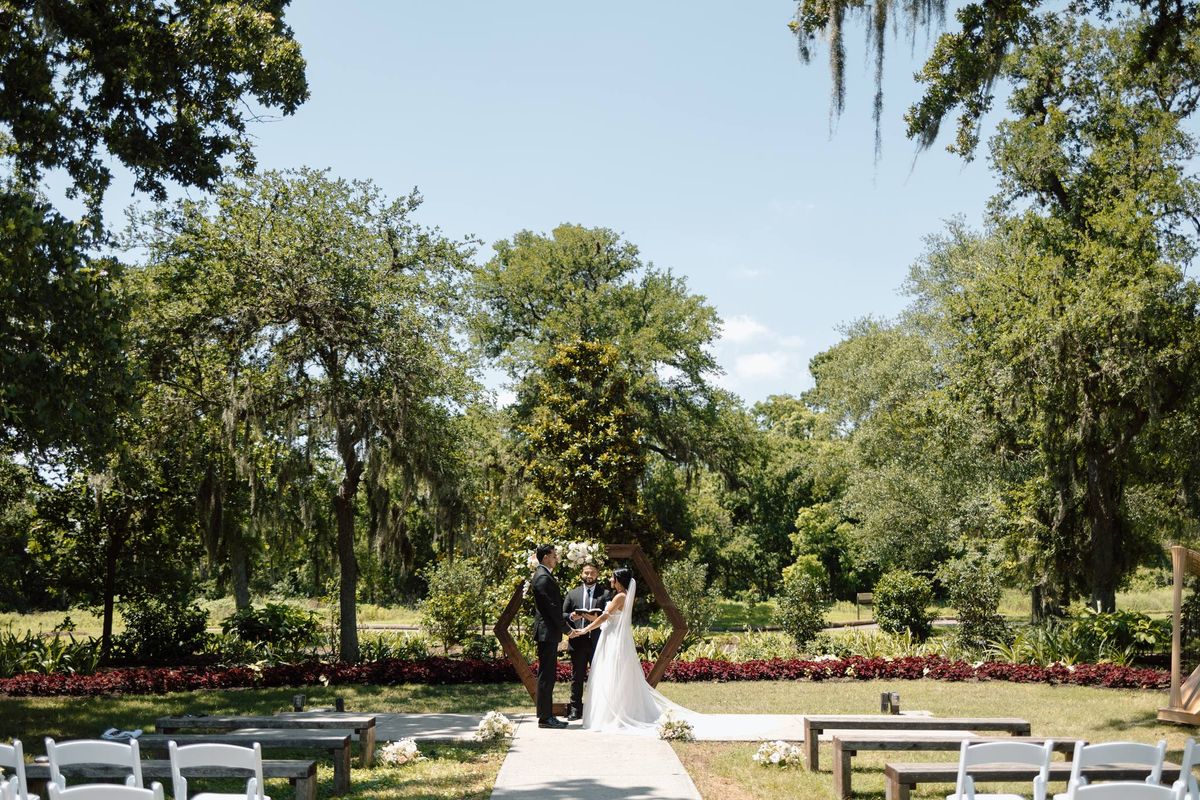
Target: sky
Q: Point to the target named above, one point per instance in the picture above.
(691, 128)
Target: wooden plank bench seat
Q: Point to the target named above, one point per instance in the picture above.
(301, 773)
(846, 746)
(817, 724)
(336, 744)
(901, 779)
(363, 725)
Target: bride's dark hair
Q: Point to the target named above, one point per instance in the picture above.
(623, 577)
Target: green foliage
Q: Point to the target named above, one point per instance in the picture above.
(1093, 638)
(966, 63)
(160, 630)
(62, 341)
(454, 605)
(686, 582)
(974, 589)
(382, 646)
(278, 625)
(46, 654)
(803, 601)
(163, 89)
(650, 640)
(902, 602)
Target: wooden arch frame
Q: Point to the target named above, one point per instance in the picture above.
(648, 573)
(1184, 703)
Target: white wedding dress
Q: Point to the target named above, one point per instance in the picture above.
(617, 698)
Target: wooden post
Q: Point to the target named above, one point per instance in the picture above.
(1177, 564)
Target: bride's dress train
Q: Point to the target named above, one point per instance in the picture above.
(618, 699)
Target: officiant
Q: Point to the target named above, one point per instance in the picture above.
(589, 595)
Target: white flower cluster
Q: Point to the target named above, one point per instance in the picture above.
(395, 754)
(580, 553)
(779, 754)
(671, 727)
(494, 725)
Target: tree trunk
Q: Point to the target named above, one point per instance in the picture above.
(239, 571)
(112, 553)
(1106, 557)
(343, 509)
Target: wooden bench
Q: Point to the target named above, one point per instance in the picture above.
(816, 724)
(901, 779)
(302, 774)
(363, 725)
(336, 744)
(846, 746)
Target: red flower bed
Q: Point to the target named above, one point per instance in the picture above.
(457, 671)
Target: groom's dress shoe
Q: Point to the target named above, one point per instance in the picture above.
(552, 722)
(574, 714)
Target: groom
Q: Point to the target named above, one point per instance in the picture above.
(586, 596)
(549, 626)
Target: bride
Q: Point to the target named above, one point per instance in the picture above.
(618, 699)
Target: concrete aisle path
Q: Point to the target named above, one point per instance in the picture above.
(574, 764)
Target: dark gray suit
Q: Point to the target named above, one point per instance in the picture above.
(582, 647)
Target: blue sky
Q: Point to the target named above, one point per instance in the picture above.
(689, 127)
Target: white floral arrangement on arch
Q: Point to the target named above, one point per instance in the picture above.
(672, 728)
(494, 725)
(779, 754)
(577, 554)
(398, 753)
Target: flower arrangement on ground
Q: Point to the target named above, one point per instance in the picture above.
(671, 727)
(779, 754)
(494, 725)
(398, 753)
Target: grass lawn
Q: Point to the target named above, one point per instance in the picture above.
(720, 770)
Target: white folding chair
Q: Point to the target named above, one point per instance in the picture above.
(984, 753)
(8, 790)
(1122, 753)
(12, 756)
(94, 751)
(1126, 790)
(105, 791)
(216, 755)
(1186, 776)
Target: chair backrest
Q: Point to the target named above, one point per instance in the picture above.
(215, 755)
(1126, 790)
(1187, 775)
(105, 791)
(1092, 755)
(94, 751)
(12, 757)
(980, 753)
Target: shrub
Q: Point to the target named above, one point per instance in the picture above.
(902, 602)
(650, 641)
(277, 625)
(160, 630)
(974, 588)
(481, 647)
(32, 652)
(802, 603)
(687, 584)
(410, 646)
(454, 606)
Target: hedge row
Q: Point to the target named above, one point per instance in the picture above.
(458, 671)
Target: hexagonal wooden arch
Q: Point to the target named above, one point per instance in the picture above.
(649, 574)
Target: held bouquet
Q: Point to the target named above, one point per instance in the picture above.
(779, 754)
(404, 751)
(494, 725)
